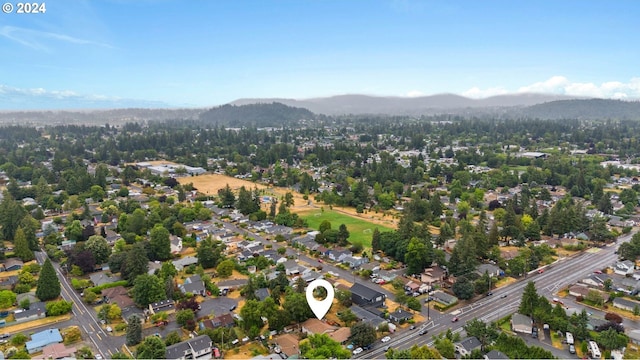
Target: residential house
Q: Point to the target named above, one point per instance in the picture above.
(433, 275)
(400, 316)
(495, 355)
(355, 262)
(200, 347)
(366, 296)
(193, 284)
(232, 284)
(467, 345)
(43, 338)
(490, 269)
(582, 291)
(293, 268)
(341, 335)
(368, 316)
(521, 323)
(57, 351)
(386, 275)
(373, 266)
(118, 295)
(286, 344)
(315, 326)
(339, 254)
(626, 267)
(8, 283)
(595, 280)
(101, 278)
(224, 320)
(262, 294)
(167, 306)
(184, 262)
(176, 244)
(36, 310)
(626, 304)
(13, 264)
(444, 298)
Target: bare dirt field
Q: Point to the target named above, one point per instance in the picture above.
(209, 184)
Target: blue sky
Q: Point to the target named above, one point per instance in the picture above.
(105, 53)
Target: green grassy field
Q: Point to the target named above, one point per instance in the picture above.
(360, 231)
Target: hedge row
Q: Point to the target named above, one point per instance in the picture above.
(98, 289)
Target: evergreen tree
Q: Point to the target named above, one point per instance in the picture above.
(530, 299)
(22, 246)
(136, 263)
(11, 214)
(48, 284)
(375, 240)
(160, 243)
(134, 330)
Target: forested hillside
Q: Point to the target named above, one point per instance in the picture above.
(585, 109)
(258, 115)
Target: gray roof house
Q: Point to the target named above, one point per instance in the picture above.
(164, 305)
(355, 262)
(36, 311)
(262, 294)
(467, 345)
(490, 269)
(366, 296)
(625, 267)
(400, 315)
(184, 262)
(625, 304)
(495, 355)
(101, 278)
(444, 298)
(194, 285)
(199, 347)
(521, 323)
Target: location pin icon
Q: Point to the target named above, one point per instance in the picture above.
(320, 307)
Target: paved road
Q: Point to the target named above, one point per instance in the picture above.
(85, 317)
(506, 300)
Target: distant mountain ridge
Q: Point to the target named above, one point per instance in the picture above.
(424, 105)
(282, 112)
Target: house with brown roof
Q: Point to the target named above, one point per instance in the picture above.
(224, 320)
(433, 275)
(287, 344)
(315, 326)
(118, 295)
(56, 351)
(341, 335)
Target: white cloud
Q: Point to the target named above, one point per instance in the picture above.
(414, 93)
(13, 98)
(477, 93)
(38, 40)
(563, 86)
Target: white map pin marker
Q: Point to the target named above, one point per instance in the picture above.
(320, 307)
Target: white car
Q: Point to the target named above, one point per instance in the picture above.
(99, 357)
(386, 339)
(357, 351)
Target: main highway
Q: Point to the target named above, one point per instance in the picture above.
(506, 300)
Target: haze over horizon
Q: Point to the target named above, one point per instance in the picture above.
(169, 53)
